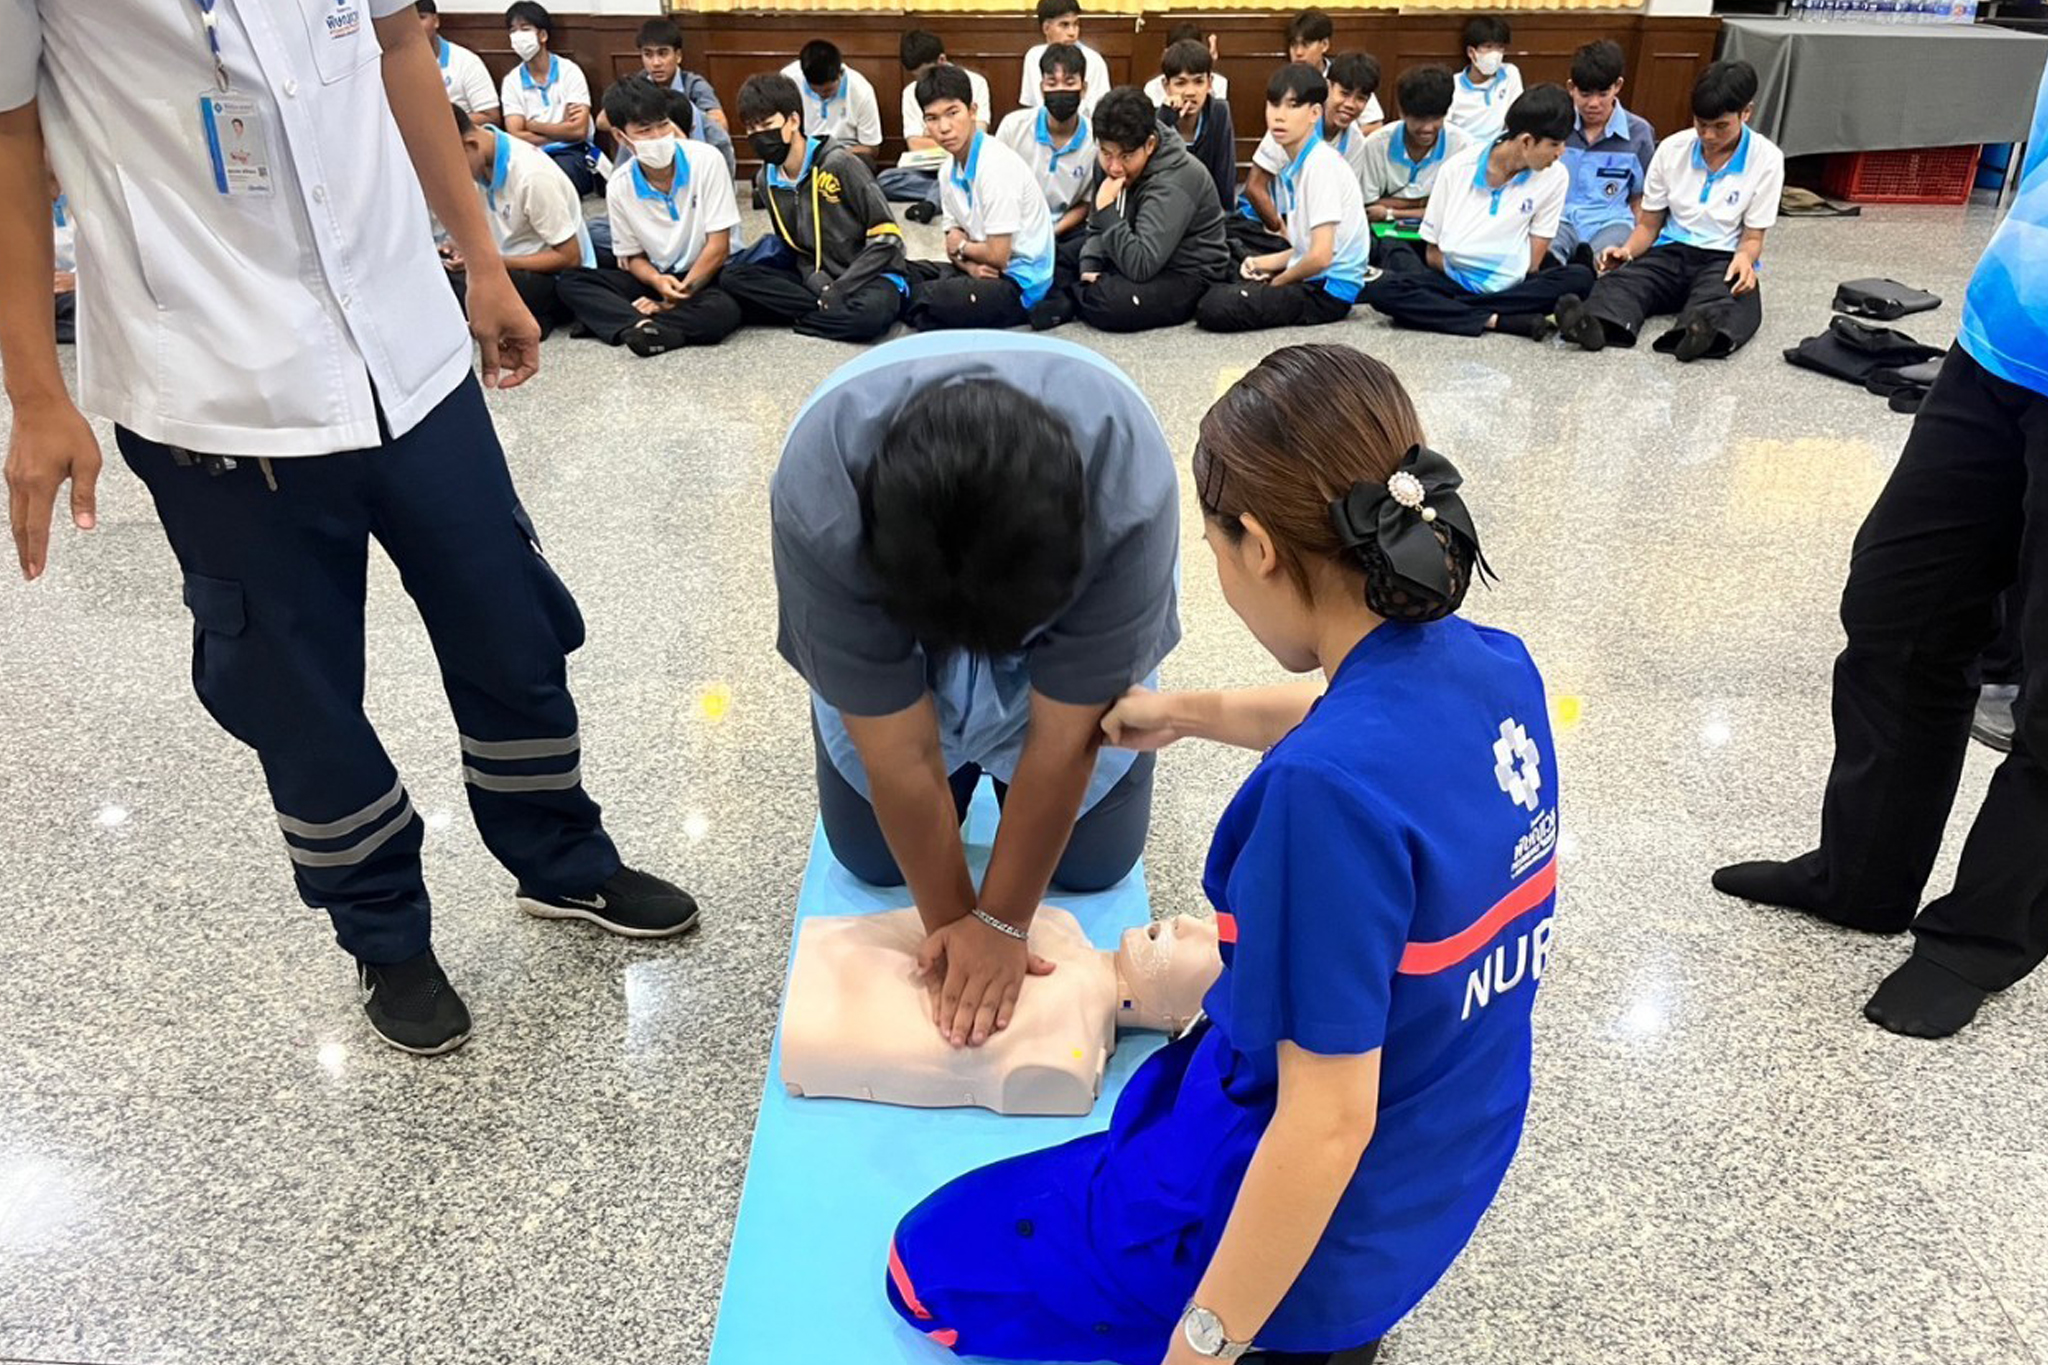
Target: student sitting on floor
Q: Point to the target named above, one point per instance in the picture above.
(999, 248)
(1155, 236)
(840, 274)
(1057, 141)
(839, 102)
(65, 280)
(1219, 85)
(1194, 107)
(1488, 230)
(672, 213)
(919, 52)
(1608, 156)
(1489, 83)
(546, 99)
(535, 213)
(463, 74)
(1711, 194)
(1352, 78)
(1060, 22)
(1402, 159)
(1316, 277)
(661, 59)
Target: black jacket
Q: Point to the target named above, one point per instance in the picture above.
(1167, 221)
(1214, 145)
(860, 237)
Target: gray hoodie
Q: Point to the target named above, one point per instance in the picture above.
(1167, 221)
(860, 237)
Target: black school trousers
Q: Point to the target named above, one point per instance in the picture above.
(945, 297)
(774, 295)
(1252, 306)
(1687, 281)
(1434, 302)
(1115, 304)
(1963, 519)
(602, 300)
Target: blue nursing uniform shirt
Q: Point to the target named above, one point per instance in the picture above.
(2005, 312)
(1375, 890)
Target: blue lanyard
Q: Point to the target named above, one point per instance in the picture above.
(211, 23)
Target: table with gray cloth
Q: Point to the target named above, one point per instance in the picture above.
(1865, 87)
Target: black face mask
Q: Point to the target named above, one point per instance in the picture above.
(1062, 104)
(770, 145)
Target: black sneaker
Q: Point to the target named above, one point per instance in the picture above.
(412, 1006)
(631, 903)
(1578, 326)
(923, 211)
(644, 339)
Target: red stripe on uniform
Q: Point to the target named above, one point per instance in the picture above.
(903, 1286)
(1427, 959)
(1226, 927)
(948, 1338)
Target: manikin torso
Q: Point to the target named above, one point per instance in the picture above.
(857, 1023)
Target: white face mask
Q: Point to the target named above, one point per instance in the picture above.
(526, 43)
(1488, 62)
(655, 153)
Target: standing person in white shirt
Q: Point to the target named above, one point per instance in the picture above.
(536, 217)
(468, 82)
(839, 102)
(290, 378)
(999, 250)
(1057, 141)
(1488, 230)
(1316, 277)
(1060, 22)
(1711, 194)
(920, 51)
(1489, 83)
(546, 97)
(672, 213)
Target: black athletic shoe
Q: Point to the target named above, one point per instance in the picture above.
(631, 903)
(1578, 326)
(1697, 339)
(645, 339)
(923, 211)
(1993, 725)
(412, 1006)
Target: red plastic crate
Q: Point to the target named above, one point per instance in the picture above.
(1923, 175)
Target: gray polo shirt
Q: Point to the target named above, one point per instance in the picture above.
(1121, 622)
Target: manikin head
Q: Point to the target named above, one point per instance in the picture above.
(1722, 100)
(1425, 93)
(1163, 969)
(1596, 84)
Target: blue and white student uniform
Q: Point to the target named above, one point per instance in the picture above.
(1316, 188)
(1483, 230)
(995, 195)
(1369, 897)
(548, 100)
(852, 114)
(530, 201)
(1710, 209)
(1607, 166)
(289, 378)
(1479, 109)
(1389, 172)
(1063, 167)
(466, 79)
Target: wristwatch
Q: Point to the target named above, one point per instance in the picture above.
(1205, 1334)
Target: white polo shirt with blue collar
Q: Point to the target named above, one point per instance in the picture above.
(547, 100)
(1063, 166)
(1391, 173)
(853, 114)
(995, 195)
(1318, 188)
(1482, 230)
(1348, 144)
(1708, 208)
(531, 203)
(463, 75)
(1480, 111)
(669, 227)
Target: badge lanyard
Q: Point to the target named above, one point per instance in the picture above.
(232, 123)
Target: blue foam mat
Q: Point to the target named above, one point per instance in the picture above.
(828, 1180)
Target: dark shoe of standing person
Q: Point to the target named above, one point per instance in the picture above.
(412, 1005)
(1993, 725)
(632, 904)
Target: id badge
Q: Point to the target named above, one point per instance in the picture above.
(235, 143)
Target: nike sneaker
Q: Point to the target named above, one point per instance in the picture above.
(412, 1006)
(633, 904)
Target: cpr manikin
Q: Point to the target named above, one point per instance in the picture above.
(857, 1023)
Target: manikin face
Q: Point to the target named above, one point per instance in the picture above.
(951, 124)
(1291, 123)
(1595, 106)
(1345, 106)
(1065, 29)
(1167, 967)
(1257, 587)
(1718, 136)
(660, 63)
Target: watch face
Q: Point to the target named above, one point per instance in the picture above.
(1205, 1332)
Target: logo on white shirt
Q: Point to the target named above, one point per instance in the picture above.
(1517, 764)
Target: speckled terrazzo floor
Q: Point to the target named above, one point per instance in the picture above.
(205, 1158)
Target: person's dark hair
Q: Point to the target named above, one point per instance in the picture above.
(1545, 112)
(1049, 10)
(973, 516)
(1274, 448)
(1127, 118)
(663, 32)
(1188, 57)
(1300, 80)
(1185, 30)
(820, 62)
(1358, 72)
(1065, 57)
(464, 124)
(1597, 65)
(425, 7)
(681, 111)
(635, 99)
(1483, 29)
(1310, 26)
(920, 47)
(531, 13)
(1724, 88)
(766, 95)
(1426, 91)
(944, 83)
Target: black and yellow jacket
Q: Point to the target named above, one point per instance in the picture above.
(834, 219)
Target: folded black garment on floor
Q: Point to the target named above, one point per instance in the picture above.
(1884, 300)
(1903, 388)
(1854, 351)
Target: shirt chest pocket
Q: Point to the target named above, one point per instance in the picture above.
(341, 37)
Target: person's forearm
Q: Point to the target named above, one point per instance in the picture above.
(572, 129)
(1075, 215)
(1434, 254)
(1245, 717)
(550, 262)
(419, 105)
(490, 116)
(641, 269)
(1752, 245)
(914, 807)
(1038, 820)
(28, 332)
(1313, 262)
(709, 261)
(1261, 198)
(1648, 225)
(1539, 247)
(994, 253)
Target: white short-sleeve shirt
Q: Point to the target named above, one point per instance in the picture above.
(1316, 188)
(1095, 73)
(669, 228)
(468, 83)
(1480, 111)
(1483, 230)
(1712, 208)
(1390, 173)
(532, 204)
(253, 324)
(913, 113)
(995, 195)
(853, 115)
(1349, 144)
(1219, 86)
(546, 100)
(1062, 166)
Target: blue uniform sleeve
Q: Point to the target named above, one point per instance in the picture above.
(1323, 891)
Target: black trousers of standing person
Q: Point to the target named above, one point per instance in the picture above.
(1434, 302)
(1115, 304)
(773, 294)
(538, 290)
(1963, 518)
(2004, 663)
(67, 319)
(602, 300)
(947, 298)
(1689, 281)
(1252, 306)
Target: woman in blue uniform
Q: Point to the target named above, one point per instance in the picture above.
(1302, 1167)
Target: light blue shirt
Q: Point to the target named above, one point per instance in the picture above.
(2005, 311)
(1607, 168)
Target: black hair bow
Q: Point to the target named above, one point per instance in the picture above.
(1400, 519)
